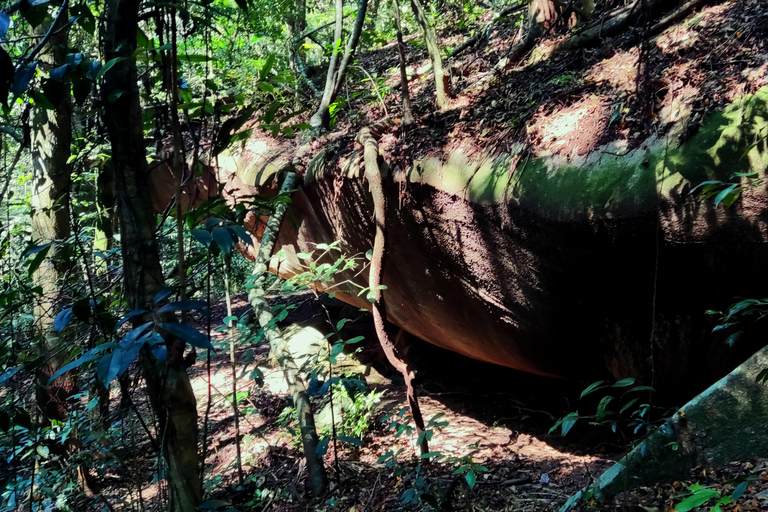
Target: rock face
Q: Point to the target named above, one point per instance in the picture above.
(724, 423)
(602, 264)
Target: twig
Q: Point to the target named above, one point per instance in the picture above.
(318, 29)
(373, 492)
(375, 89)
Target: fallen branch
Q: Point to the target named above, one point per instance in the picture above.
(367, 137)
(278, 345)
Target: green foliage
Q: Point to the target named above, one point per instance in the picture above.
(700, 496)
(727, 192)
(621, 407)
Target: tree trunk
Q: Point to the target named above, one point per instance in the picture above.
(335, 78)
(168, 385)
(442, 81)
(51, 139)
(404, 91)
(257, 298)
(296, 24)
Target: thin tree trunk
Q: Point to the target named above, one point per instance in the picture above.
(442, 81)
(296, 24)
(321, 117)
(168, 385)
(335, 78)
(233, 363)
(257, 298)
(404, 90)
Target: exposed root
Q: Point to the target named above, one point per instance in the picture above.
(367, 137)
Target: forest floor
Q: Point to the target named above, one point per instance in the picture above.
(494, 418)
(558, 100)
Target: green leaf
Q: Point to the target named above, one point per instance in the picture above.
(267, 67)
(697, 499)
(62, 320)
(601, 408)
(266, 87)
(89, 356)
(202, 236)
(183, 305)
(128, 316)
(189, 334)
(471, 478)
(322, 447)
(241, 233)
(628, 405)
(593, 387)
(43, 451)
(724, 193)
(624, 383)
(739, 491)
(106, 67)
(569, 421)
(8, 374)
(109, 367)
(40, 253)
(350, 440)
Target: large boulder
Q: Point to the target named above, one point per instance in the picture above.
(573, 267)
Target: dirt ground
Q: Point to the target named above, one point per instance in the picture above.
(497, 417)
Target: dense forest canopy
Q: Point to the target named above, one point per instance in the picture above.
(571, 188)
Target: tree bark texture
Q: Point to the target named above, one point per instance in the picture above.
(51, 139)
(168, 385)
(404, 91)
(442, 81)
(257, 298)
(335, 78)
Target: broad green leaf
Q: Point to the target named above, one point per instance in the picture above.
(697, 499)
(8, 374)
(568, 422)
(267, 67)
(164, 293)
(266, 87)
(106, 67)
(202, 236)
(623, 383)
(62, 320)
(471, 478)
(592, 387)
(322, 447)
(739, 491)
(183, 305)
(43, 451)
(109, 367)
(189, 334)
(223, 239)
(128, 316)
(130, 338)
